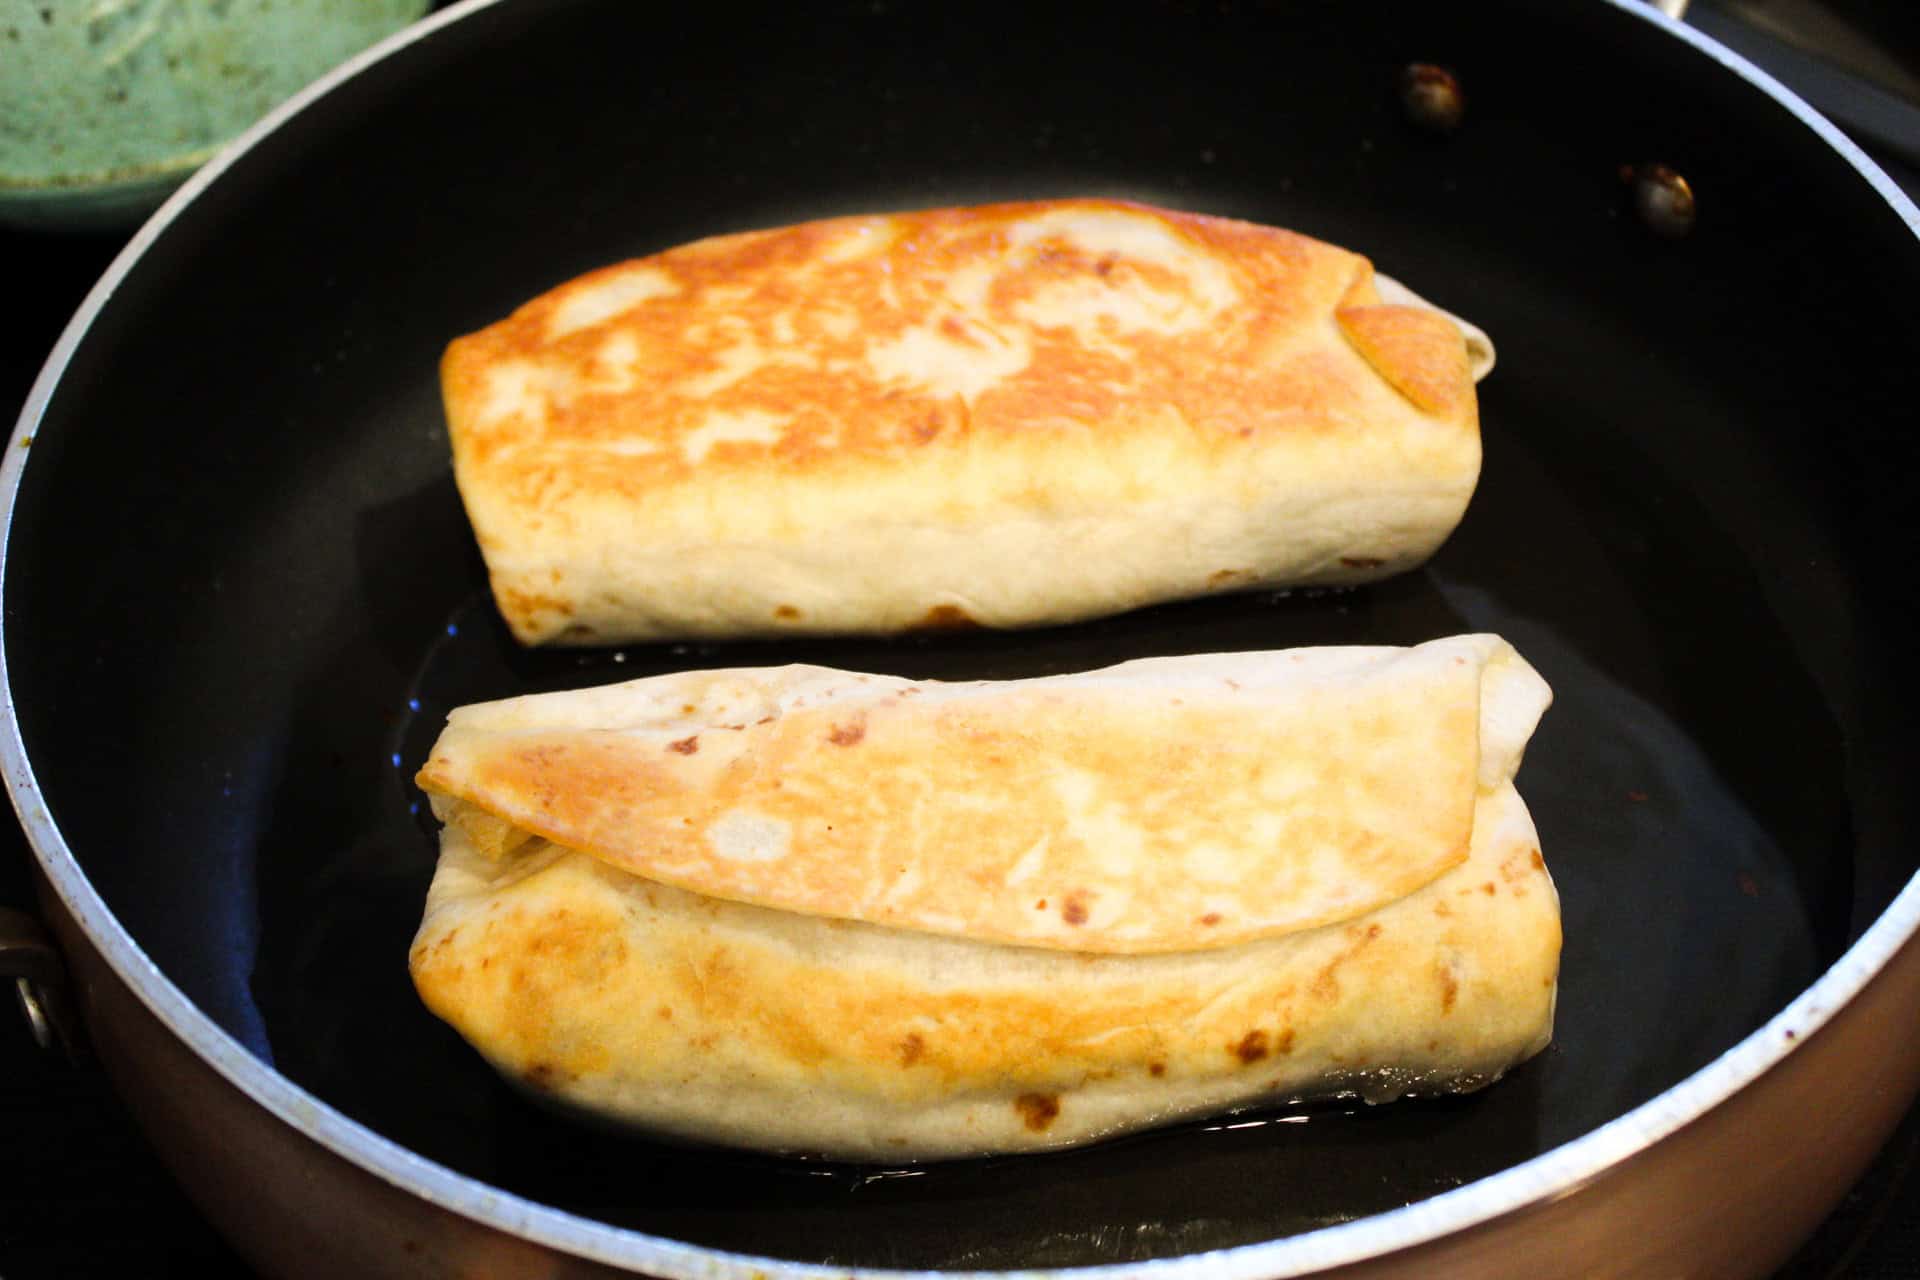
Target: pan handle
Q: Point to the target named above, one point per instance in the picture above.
(28, 956)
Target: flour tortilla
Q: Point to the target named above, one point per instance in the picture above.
(999, 416)
(980, 956)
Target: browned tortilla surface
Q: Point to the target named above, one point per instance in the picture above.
(1001, 415)
(1041, 942)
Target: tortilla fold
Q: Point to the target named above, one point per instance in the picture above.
(824, 912)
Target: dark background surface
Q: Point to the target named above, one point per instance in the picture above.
(81, 1193)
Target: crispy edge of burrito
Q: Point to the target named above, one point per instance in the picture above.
(795, 1031)
(1006, 415)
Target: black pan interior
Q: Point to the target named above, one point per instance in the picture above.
(240, 594)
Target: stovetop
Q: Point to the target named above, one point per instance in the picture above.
(83, 1195)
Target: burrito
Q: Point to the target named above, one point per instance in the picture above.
(831, 913)
(999, 416)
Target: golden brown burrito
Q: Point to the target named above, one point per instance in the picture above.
(998, 416)
(814, 911)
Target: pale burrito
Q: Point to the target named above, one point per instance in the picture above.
(814, 911)
(998, 416)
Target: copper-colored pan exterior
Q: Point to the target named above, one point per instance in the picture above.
(1730, 1194)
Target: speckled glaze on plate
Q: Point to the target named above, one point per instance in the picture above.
(107, 105)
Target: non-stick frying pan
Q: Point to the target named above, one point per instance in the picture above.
(240, 595)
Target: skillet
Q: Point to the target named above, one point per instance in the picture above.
(239, 593)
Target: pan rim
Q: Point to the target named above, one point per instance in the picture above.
(1545, 1177)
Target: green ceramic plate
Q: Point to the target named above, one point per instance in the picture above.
(107, 105)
